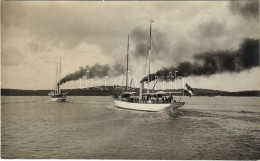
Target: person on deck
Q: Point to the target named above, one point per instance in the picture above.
(157, 99)
(149, 101)
(170, 98)
(116, 95)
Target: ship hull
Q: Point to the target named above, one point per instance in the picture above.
(58, 99)
(150, 107)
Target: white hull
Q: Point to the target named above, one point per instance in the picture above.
(58, 99)
(147, 106)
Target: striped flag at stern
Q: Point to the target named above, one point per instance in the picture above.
(188, 90)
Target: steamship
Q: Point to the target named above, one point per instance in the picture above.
(148, 100)
(57, 95)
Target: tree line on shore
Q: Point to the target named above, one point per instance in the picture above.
(110, 91)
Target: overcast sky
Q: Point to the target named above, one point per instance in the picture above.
(36, 34)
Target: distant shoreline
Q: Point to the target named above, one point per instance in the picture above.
(111, 91)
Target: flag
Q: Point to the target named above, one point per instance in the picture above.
(188, 90)
(188, 87)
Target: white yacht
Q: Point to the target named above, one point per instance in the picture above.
(146, 101)
(57, 95)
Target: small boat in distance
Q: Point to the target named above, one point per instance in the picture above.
(57, 95)
(152, 101)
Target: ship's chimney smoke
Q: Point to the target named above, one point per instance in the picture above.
(208, 63)
(95, 71)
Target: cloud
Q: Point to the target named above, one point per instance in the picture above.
(12, 57)
(160, 42)
(86, 33)
(210, 30)
(248, 8)
(64, 26)
(203, 36)
(36, 47)
(67, 26)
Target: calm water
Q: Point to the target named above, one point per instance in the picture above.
(91, 127)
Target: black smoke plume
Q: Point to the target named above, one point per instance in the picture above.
(208, 63)
(96, 71)
(247, 8)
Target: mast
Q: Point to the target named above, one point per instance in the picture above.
(56, 78)
(59, 78)
(127, 57)
(149, 54)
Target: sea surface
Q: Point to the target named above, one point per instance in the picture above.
(92, 128)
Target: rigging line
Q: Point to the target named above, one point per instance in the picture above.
(131, 81)
(155, 84)
(145, 68)
(129, 63)
(127, 57)
(131, 73)
(153, 56)
(129, 67)
(55, 78)
(153, 69)
(59, 87)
